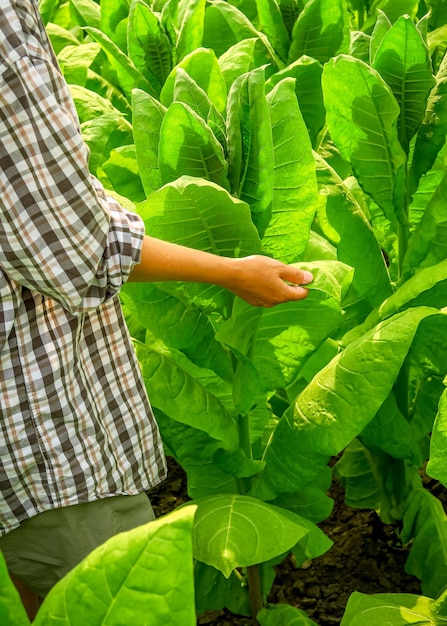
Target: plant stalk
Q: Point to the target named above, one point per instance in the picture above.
(402, 238)
(253, 577)
(255, 592)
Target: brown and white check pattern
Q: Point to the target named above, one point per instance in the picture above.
(75, 421)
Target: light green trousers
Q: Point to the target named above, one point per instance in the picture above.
(47, 546)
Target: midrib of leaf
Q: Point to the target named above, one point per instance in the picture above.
(192, 94)
(114, 597)
(159, 56)
(230, 516)
(206, 228)
(383, 134)
(378, 477)
(307, 37)
(403, 105)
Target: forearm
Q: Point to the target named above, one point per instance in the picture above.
(258, 279)
(164, 261)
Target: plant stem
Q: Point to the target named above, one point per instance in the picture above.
(255, 592)
(245, 446)
(254, 580)
(402, 247)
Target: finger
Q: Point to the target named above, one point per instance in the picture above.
(295, 292)
(296, 276)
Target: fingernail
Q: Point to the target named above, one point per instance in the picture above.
(307, 278)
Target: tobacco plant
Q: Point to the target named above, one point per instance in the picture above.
(312, 131)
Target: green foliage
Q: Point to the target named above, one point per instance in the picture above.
(120, 581)
(393, 609)
(11, 608)
(314, 132)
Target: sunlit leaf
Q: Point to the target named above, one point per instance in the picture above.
(403, 62)
(388, 609)
(321, 31)
(295, 192)
(189, 147)
(235, 531)
(149, 46)
(120, 581)
(361, 116)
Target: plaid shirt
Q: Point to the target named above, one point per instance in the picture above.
(75, 421)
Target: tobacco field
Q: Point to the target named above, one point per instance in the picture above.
(313, 131)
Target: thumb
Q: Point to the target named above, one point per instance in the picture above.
(296, 276)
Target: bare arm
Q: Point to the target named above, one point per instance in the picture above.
(259, 280)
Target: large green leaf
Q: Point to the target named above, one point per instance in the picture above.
(426, 188)
(148, 116)
(236, 531)
(427, 367)
(370, 480)
(393, 9)
(90, 105)
(284, 615)
(417, 290)
(272, 344)
(226, 25)
(390, 609)
(120, 582)
(190, 35)
(295, 192)
(203, 67)
(436, 466)
(12, 612)
(185, 328)
(243, 57)
(357, 245)
(307, 73)
(188, 147)
(182, 397)
(199, 214)
(432, 133)
(438, 13)
(250, 145)
(271, 23)
(73, 58)
(60, 36)
(390, 430)
(194, 450)
(312, 503)
(46, 10)
(403, 62)
(337, 404)
(425, 525)
(87, 12)
(114, 19)
(103, 134)
(321, 30)
(360, 46)
(128, 75)
(381, 27)
(215, 592)
(290, 9)
(186, 90)
(149, 46)
(120, 173)
(361, 116)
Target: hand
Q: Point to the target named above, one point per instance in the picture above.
(259, 280)
(262, 281)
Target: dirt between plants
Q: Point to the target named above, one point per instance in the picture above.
(365, 557)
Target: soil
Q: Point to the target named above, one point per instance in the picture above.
(365, 557)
